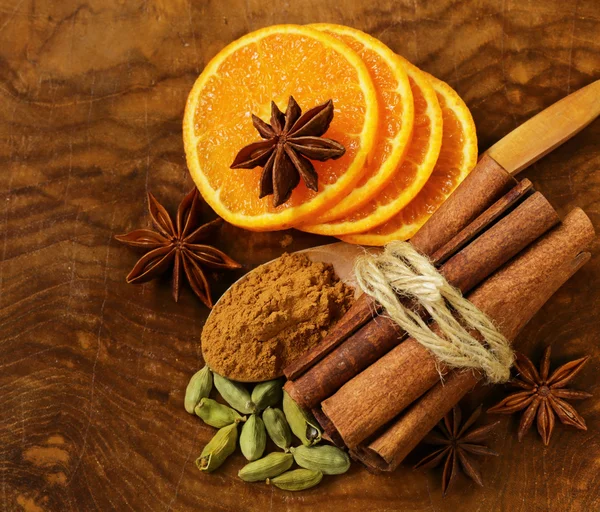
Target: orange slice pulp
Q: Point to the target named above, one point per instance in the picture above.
(457, 158)
(410, 176)
(396, 115)
(243, 78)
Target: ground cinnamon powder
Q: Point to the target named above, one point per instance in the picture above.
(272, 317)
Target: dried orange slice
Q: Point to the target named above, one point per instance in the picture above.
(243, 78)
(457, 158)
(410, 176)
(396, 116)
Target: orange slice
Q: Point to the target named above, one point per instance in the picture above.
(410, 176)
(457, 157)
(272, 64)
(396, 116)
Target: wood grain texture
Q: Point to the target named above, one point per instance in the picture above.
(93, 371)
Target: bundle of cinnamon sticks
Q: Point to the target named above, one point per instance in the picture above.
(377, 391)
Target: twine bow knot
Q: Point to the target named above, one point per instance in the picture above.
(402, 272)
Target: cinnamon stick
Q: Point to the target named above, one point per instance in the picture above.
(480, 258)
(407, 371)
(511, 297)
(499, 208)
(387, 451)
(485, 184)
(507, 238)
(335, 438)
(363, 310)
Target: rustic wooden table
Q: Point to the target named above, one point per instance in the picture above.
(93, 371)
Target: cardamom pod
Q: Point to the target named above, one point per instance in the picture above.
(277, 427)
(253, 438)
(267, 393)
(217, 415)
(296, 480)
(327, 459)
(234, 394)
(302, 423)
(269, 466)
(221, 446)
(199, 387)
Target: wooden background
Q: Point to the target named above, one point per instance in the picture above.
(93, 371)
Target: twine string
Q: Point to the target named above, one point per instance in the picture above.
(401, 272)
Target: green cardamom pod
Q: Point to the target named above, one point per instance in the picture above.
(234, 394)
(302, 423)
(277, 427)
(296, 480)
(221, 446)
(217, 415)
(253, 438)
(327, 459)
(199, 387)
(269, 466)
(267, 393)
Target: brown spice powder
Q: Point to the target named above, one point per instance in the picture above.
(272, 317)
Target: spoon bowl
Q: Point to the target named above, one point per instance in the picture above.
(340, 255)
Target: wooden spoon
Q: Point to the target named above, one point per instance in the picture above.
(340, 255)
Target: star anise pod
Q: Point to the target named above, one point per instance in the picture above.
(457, 446)
(290, 141)
(178, 244)
(544, 396)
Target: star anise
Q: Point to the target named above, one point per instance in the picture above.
(458, 444)
(544, 396)
(178, 244)
(290, 141)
